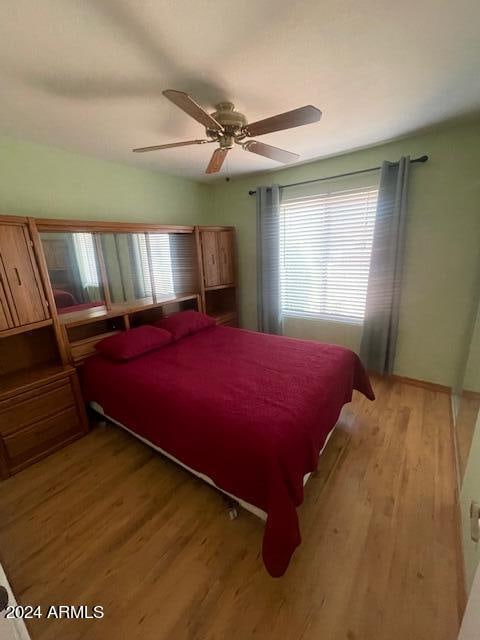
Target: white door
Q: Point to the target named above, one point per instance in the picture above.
(471, 494)
(10, 629)
(470, 629)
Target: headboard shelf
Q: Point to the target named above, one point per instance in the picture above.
(96, 278)
(83, 329)
(86, 316)
(81, 349)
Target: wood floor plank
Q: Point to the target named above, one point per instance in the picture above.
(108, 521)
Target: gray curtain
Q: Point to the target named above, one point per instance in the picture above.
(268, 259)
(379, 339)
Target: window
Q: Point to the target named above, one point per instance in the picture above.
(325, 246)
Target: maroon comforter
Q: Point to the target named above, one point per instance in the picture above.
(249, 410)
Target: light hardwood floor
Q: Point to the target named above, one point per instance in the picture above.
(107, 521)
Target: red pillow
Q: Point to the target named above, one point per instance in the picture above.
(133, 343)
(185, 323)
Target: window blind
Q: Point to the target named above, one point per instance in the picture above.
(325, 246)
(183, 256)
(172, 257)
(86, 259)
(158, 247)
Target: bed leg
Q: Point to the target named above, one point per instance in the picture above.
(232, 508)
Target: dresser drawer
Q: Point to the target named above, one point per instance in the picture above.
(41, 437)
(33, 406)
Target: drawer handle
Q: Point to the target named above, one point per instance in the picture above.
(213, 258)
(475, 521)
(3, 598)
(19, 280)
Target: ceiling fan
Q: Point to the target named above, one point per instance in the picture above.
(228, 127)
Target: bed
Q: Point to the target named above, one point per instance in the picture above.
(250, 412)
(63, 298)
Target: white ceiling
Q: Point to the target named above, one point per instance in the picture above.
(87, 75)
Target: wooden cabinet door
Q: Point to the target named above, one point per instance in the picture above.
(225, 251)
(22, 282)
(6, 321)
(211, 263)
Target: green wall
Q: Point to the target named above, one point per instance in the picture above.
(443, 229)
(42, 181)
(442, 245)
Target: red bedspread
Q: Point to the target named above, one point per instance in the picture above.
(249, 410)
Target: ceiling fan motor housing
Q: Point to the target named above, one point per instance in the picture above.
(232, 122)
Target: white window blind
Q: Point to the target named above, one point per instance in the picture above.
(161, 263)
(141, 266)
(173, 263)
(325, 246)
(86, 259)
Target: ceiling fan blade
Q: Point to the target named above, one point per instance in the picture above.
(287, 120)
(216, 160)
(194, 110)
(274, 153)
(170, 145)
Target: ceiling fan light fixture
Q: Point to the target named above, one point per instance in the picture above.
(229, 127)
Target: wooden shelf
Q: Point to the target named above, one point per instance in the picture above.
(221, 286)
(159, 302)
(26, 327)
(82, 349)
(25, 379)
(74, 318)
(224, 318)
(86, 316)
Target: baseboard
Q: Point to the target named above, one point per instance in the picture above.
(424, 384)
(471, 395)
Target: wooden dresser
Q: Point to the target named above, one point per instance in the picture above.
(41, 408)
(38, 414)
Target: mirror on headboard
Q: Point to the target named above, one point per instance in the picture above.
(142, 265)
(72, 264)
(126, 265)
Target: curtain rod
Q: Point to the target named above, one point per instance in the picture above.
(339, 175)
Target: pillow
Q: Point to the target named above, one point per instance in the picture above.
(185, 323)
(133, 343)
